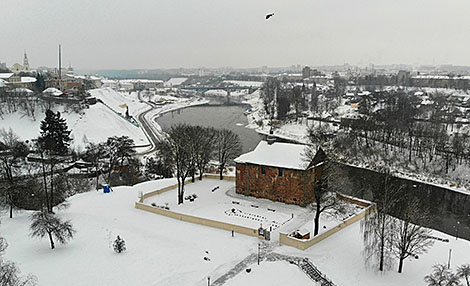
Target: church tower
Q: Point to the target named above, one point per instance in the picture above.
(25, 62)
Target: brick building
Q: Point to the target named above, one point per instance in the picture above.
(279, 172)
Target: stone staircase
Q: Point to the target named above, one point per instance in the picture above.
(314, 274)
(267, 254)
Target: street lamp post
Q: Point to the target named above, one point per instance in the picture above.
(450, 254)
(457, 231)
(258, 252)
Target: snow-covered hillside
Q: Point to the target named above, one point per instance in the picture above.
(94, 124)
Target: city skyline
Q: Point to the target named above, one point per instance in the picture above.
(168, 34)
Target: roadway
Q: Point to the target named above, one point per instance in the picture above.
(153, 136)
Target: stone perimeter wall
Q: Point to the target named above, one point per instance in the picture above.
(303, 244)
(194, 219)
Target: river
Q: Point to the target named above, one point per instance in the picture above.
(215, 115)
(451, 210)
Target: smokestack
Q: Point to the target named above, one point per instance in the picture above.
(60, 65)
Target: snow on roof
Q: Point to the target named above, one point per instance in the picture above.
(6, 75)
(27, 79)
(21, 90)
(175, 81)
(284, 155)
(303, 231)
(53, 91)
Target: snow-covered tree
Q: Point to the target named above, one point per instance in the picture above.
(441, 276)
(10, 275)
(119, 245)
(13, 152)
(43, 223)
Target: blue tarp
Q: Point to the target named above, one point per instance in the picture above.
(106, 189)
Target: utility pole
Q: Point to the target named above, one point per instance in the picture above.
(258, 252)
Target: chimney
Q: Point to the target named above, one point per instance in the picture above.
(60, 65)
(271, 138)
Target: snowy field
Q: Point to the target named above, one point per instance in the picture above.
(165, 251)
(218, 201)
(160, 250)
(212, 202)
(340, 258)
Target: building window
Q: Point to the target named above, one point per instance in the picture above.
(280, 172)
(263, 170)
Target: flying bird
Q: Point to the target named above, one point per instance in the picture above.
(269, 16)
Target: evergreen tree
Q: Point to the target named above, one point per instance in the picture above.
(39, 85)
(55, 136)
(54, 140)
(119, 245)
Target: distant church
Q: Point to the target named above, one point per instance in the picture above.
(17, 68)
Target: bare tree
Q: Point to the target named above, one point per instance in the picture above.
(10, 275)
(43, 223)
(327, 181)
(95, 153)
(228, 147)
(410, 239)
(12, 153)
(377, 226)
(441, 276)
(205, 142)
(176, 148)
(268, 94)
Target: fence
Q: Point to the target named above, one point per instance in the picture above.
(194, 219)
(303, 244)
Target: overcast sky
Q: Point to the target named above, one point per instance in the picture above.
(118, 34)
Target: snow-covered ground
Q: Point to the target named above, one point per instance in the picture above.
(119, 101)
(160, 250)
(340, 258)
(212, 202)
(272, 273)
(94, 124)
(165, 251)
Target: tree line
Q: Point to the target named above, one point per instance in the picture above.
(186, 150)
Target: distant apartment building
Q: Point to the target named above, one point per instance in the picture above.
(403, 77)
(147, 83)
(306, 72)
